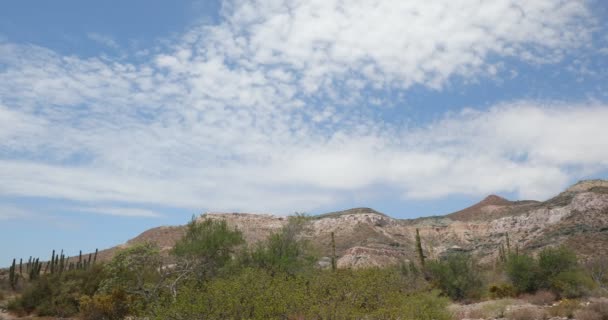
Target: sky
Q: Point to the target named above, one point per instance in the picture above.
(118, 116)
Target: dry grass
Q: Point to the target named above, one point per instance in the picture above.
(483, 310)
(600, 307)
(527, 313)
(565, 308)
(586, 314)
(540, 298)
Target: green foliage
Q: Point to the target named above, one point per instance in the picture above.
(457, 276)
(571, 284)
(554, 261)
(522, 270)
(107, 306)
(284, 251)
(207, 247)
(255, 293)
(58, 294)
(556, 269)
(137, 271)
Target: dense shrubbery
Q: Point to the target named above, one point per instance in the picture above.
(555, 269)
(58, 294)
(255, 293)
(457, 276)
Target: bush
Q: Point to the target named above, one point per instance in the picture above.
(523, 272)
(255, 293)
(554, 261)
(114, 306)
(556, 269)
(58, 294)
(457, 276)
(502, 290)
(207, 246)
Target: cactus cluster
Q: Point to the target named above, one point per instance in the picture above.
(57, 264)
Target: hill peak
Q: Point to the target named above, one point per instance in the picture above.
(494, 200)
(480, 209)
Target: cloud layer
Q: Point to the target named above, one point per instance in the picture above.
(266, 112)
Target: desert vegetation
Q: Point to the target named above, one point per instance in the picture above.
(212, 274)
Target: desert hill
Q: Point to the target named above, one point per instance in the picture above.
(577, 217)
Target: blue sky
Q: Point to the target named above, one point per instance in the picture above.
(118, 116)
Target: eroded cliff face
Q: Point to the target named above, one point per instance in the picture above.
(577, 217)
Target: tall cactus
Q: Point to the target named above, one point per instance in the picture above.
(421, 256)
(61, 262)
(28, 265)
(52, 262)
(12, 275)
(333, 252)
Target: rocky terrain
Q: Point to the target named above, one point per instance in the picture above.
(577, 217)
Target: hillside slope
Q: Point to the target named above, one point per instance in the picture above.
(577, 217)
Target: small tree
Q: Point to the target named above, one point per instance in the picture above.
(137, 271)
(206, 247)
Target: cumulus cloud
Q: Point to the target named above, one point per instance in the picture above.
(260, 111)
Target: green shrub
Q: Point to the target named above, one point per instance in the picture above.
(138, 271)
(556, 269)
(207, 246)
(457, 276)
(523, 272)
(571, 284)
(284, 252)
(255, 293)
(58, 294)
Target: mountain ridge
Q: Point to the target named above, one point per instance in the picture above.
(365, 237)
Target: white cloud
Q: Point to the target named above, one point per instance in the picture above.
(228, 118)
(104, 40)
(122, 212)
